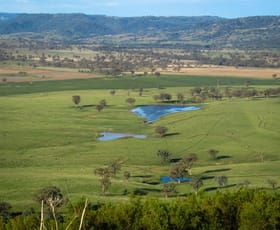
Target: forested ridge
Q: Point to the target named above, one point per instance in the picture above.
(204, 31)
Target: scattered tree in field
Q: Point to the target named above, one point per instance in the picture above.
(213, 153)
(157, 74)
(168, 189)
(141, 92)
(4, 79)
(274, 76)
(272, 183)
(156, 97)
(103, 102)
(180, 98)
(115, 166)
(113, 92)
(165, 96)
(161, 130)
(164, 155)
(178, 170)
(99, 107)
(130, 100)
(76, 99)
(221, 180)
(105, 178)
(189, 161)
(53, 198)
(126, 175)
(196, 184)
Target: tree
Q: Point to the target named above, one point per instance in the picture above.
(99, 107)
(164, 155)
(178, 170)
(168, 189)
(161, 130)
(222, 180)
(105, 174)
(76, 99)
(189, 161)
(115, 166)
(165, 96)
(53, 198)
(196, 184)
(130, 100)
(103, 102)
(180, 98)
(113, 92)
(273, 183)
(126, 175)
(213, 153)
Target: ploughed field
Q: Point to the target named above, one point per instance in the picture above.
(47, 140)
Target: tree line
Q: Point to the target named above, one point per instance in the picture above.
(241, 209)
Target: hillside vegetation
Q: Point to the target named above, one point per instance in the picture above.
(205, 31)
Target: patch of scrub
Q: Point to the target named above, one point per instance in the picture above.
(109, 136)
(154, 112)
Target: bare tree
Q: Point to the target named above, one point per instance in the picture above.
(53, 198)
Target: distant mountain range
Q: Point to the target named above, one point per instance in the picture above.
(206, 31)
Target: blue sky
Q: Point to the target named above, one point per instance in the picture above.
(222, 8)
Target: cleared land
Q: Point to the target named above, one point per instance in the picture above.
(46, 140)
(14, 74)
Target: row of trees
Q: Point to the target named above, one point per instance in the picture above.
(242, 209)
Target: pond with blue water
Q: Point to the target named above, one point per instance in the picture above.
(154, 112)
(150, 113)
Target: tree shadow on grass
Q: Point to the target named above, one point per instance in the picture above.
(207, 177)
(142, 176)
(144, 191)
(216, 188)
(171, 134)
(151, 182)
(217, 170)
(223, 157)
(175, 160)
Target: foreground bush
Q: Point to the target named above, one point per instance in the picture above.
(243, 209)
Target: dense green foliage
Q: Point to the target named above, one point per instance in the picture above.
(243, 209)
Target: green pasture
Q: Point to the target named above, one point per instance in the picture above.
(129, 82)
(47, 140)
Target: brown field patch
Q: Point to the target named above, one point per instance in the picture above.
(61, 74)
(43, 74)
(230, 71)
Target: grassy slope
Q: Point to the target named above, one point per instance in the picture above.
(45, 140)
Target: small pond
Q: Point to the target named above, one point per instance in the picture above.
(155, 112)
(109, 136)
